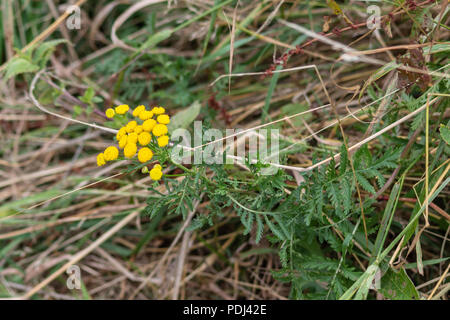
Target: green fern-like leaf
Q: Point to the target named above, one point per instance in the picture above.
(365, 183)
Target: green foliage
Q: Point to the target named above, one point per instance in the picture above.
(184, 117)
(313, 222)
(396, 285)
(19, 65)
(31, 61)
(90, 100)
(445, 133)
(179, 199)
(303, 224)
(176, 79)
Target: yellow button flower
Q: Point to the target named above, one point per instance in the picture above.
(130, 126)
(138, 129)
(122, 131)
(163, 119)
(100, 159)
(163, 141)
(122, 109)
(159, 130)
(132, 138)
(130, 150)
(157, 166)
(123, 142)
(111, 153)
(144, 138)
(138, 110)
(145, 115)
(156, 174)
(110, 113)
(158, 110)
(145, 154)
(148, 124)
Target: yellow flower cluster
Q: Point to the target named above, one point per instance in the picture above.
(111, 153)
(156, 172)
(133, 133)
(122, 109)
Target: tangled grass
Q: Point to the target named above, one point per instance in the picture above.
(357, 207)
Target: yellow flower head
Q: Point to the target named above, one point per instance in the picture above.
(145, 154)
(148, 124)
(163, 119)
(145, 115)
(132, 138)
(122, 109)
(123, 142)
(138, 110)
(130, 126)
(132, 133)
(159, 130)
(122, 131)
(110, 113)
(144, 138)
(111, 153)
(158, 110)
(100, 159)
(163, 141)
(156, 173)
(130, 150)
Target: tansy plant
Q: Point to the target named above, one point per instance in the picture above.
(148, 132)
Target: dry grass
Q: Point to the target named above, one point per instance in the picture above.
(58, 208)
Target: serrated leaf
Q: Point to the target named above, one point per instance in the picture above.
(346, 191)
(274, 229)
(19, 65)
(195, 224)
(445, 133)
(43, 52)
(381, 181)
(259, 229)
(248, 223)
(417, 121)
(365, 183)
(333, 195)
(396, 285)
(283, 256)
